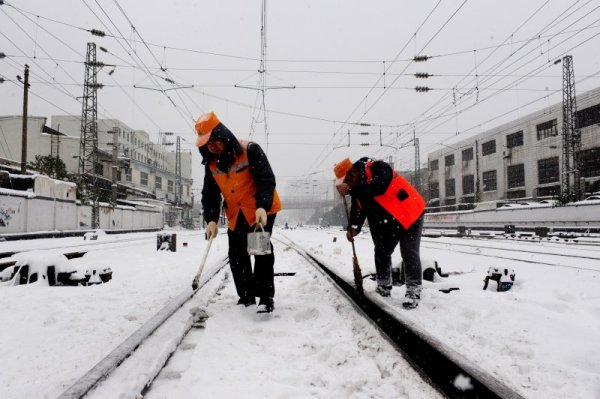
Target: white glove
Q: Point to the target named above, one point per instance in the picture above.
(261, 216)
(211, 230)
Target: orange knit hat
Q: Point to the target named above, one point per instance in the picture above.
(204, 127)
(341, 168)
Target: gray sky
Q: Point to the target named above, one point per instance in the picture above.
(493, 61)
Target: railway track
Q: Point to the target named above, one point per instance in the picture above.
(437, 364)
(503, 253)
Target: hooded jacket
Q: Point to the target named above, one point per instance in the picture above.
(259, 168)
(367, 194)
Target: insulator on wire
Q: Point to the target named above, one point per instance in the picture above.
(103, 49)
(365, 144)
(363, 133)
(97, 32)
(422, 75)
(170, 80)
(364, 124)
(2, 55)
(421, 58)
(422, 89)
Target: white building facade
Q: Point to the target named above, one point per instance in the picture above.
(144, 165)
(522, 159)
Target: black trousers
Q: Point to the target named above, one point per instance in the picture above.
(248, 284)
(410, 242)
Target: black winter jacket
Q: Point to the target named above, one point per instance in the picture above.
(260, 169)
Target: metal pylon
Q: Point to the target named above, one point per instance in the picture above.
(88, 147)
(571, 142)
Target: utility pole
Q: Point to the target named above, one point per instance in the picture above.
(262, 70)
(88, 148)
(178, 172)
(417, 162)
(24, 132)
(477, 181)
(116, 132)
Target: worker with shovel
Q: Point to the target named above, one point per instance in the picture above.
(239, 172)
(394, 210)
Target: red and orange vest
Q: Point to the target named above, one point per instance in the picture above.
(238, 189)
(401, 200)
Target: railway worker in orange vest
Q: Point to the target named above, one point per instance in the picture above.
(239, 172)
(394, 210)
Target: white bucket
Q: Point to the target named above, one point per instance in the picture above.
(259, 242)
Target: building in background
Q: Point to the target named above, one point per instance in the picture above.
(518, 160)
(145, 169)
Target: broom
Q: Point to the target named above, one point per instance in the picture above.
(358, 280)
(202, 262)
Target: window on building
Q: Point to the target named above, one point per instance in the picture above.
(489, 181)
(468, 184)
(548, 191)
(128, 174)
(548, 170)
(450, 201)
(449, 160)
(468, 200)
(450, 188)
(467, 154)
(170, 186)
(547, 129)
(434, 164)
(589, 162)
(588, 116)
(143, 178)
(515, 194)
(434, 189)
(158, 182)
(514, 140)
(489, 147)
(516, 175)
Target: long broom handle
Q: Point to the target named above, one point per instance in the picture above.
(202, 262)
(348, 219)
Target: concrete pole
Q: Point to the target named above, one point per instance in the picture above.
(24, 132)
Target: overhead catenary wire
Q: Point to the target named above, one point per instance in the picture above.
(547, 26)
(138, 61)
(317, 161)
(451, 114)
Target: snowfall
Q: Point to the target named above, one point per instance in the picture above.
(541, 337)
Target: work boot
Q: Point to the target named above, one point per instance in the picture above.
(384, 290)
(412, 297)
(246, 301)
(265, 305)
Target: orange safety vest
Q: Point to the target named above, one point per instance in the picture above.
(400, 199)
(238, 189)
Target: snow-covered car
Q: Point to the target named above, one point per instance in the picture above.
(592, 199)
(513, 205)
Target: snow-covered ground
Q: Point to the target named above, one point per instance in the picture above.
(541, 337)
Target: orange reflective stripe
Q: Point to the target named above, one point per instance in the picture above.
(238, 189)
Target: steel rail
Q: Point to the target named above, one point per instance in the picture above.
(435, 362)
(537, 262)
(520, 250)
(109, 363)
